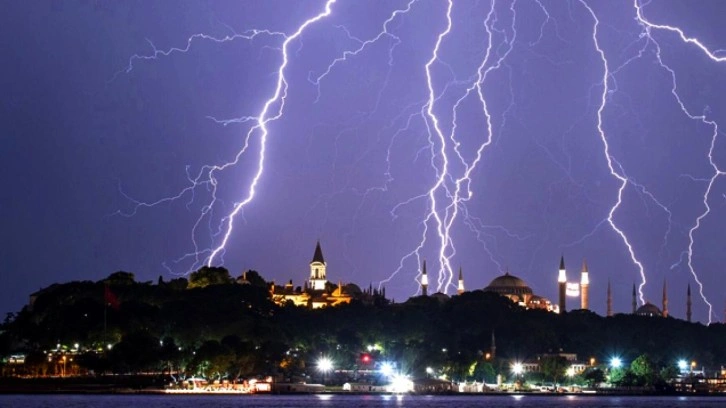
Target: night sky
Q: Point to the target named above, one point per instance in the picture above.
(109, 107)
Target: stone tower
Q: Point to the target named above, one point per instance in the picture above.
(688, 303)
(665, 298)
(424, 281)
(562, 285)
(584, 287)
(610, 301)
(460, 289)
(317, 270)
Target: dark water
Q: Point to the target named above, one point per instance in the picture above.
(349, 401)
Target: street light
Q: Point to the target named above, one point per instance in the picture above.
(387, 369)
(517, 370)
(616, 362)
(570, 373)
(324, 365)
(682, 365)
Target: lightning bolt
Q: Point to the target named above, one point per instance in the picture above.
(157, 53)
(464, 182)
(432, 121)
(610, 160)
(262, 121)
(648, 27)
(271, 110)
(453, 164)
(362, 46)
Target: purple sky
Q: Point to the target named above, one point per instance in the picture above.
(90, 131)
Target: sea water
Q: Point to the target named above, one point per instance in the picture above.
(350, 401)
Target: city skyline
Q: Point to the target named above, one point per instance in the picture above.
(488, 136)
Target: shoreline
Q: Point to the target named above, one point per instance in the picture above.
(103, 390)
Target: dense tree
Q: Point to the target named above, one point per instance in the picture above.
(594, 376)
(121, 278)
(241, 332)
(209, 276)
(254, 278)
(643, 370)
(136, 352)
(553, 367)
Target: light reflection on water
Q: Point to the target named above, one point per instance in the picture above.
(351, 401)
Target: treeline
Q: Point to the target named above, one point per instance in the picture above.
(212, 325)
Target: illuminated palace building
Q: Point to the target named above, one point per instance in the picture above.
(318, 292)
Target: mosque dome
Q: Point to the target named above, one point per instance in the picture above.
(508, 285)
(648, 309)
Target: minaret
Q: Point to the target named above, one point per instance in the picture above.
(635, 303)
(317, 270)
(562, 283)
(584, 287)
(688, 303)
(460, 290)
(424, 281)
(665, 298)
(610, 301)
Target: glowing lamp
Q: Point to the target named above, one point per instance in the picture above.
(387, 369)
(616, 362)
(325, 364)
(682, 365)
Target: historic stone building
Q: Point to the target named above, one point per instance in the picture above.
(317, 291)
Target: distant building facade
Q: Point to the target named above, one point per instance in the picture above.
(518, 292)
(317, 292)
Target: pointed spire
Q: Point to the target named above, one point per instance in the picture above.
(635, 303)
(665, 298)
(584, 287)
(424, 280)
(562, 285)
(610, 301)
(688, 303)
(460, 289)
(318, 256)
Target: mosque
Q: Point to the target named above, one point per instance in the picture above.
(520, 293)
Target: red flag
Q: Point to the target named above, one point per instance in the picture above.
(110, 297)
